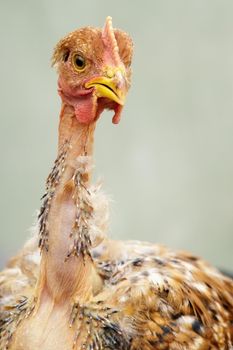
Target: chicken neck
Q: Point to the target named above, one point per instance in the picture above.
(66, 265)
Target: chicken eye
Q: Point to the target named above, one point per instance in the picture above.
(79, 62)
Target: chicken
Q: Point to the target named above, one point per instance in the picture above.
(73, 288)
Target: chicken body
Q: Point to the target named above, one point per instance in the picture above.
(148, 298)
(71, 287)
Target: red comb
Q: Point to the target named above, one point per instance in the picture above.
(110, 41)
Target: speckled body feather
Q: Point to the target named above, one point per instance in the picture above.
(152, 298)
(71, 287)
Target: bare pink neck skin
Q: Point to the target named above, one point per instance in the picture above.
(62, 278)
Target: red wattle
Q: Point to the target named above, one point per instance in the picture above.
(117, 115)
(85, 109)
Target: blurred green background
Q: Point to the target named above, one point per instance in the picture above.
(168, 166)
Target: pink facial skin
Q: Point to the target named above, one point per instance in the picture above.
(86, 105)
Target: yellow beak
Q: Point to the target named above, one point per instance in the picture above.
(107, 87)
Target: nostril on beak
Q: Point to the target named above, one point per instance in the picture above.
(110, 73)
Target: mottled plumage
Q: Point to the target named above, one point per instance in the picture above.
(71, 287)
(151, 298)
